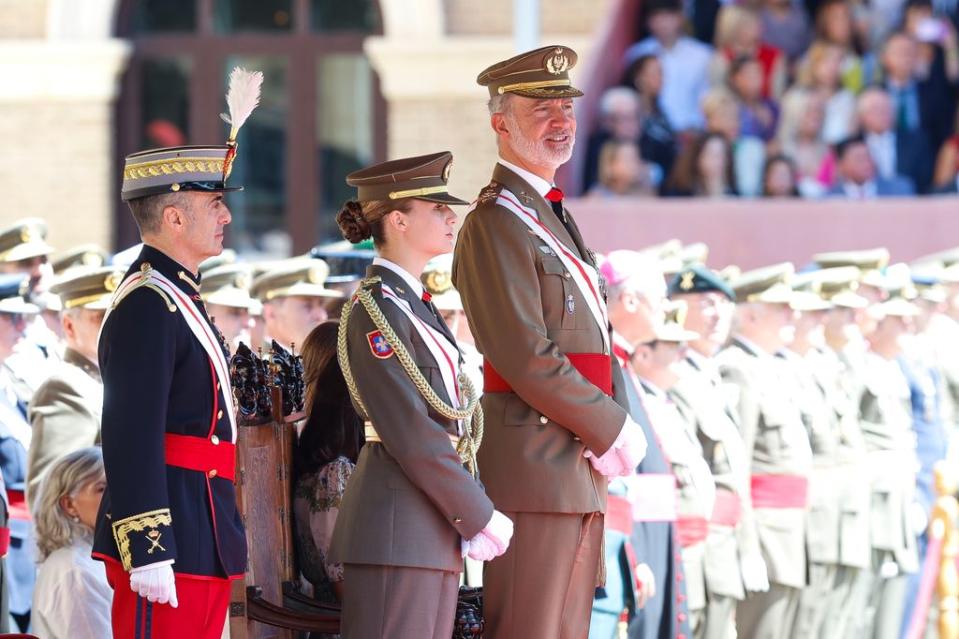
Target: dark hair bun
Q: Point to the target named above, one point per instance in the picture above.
(352, 224)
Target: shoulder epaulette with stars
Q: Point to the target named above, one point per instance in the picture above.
(489, 193)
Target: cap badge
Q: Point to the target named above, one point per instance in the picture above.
(27, 234)
(315, 275)
(380, 348)
(446, 171)
(686, 283)
(112, 281)
(558, 62)
(438, 282)
(91, 259)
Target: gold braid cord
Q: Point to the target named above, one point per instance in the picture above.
(473, 436)
(138, 523)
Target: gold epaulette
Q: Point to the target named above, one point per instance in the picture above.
(149, 522)
(145, 282)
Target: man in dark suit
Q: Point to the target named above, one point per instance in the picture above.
(857, 174)
(895, 152)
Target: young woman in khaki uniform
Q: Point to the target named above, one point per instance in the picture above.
(412, 509)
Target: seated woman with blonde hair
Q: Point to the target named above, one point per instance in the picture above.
(72, 597)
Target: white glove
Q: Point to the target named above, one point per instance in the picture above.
(918, 519)
(755, 575)
(493, 540)
(155, 582)
(647, 585)
(624, 455)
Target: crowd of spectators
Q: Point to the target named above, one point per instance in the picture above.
(783, 98)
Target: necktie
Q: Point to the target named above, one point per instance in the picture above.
(555, 198)
(426, 297)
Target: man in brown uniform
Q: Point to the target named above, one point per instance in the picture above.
(556, 422)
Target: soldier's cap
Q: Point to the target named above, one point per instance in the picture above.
(946, 258)
(950, 274)
(423, 177)
(894, 307)
(178, 168)
(806, 301)
(622, 265)
(228, 285)
(673, 328)
(85, 255)
(46, 301)
(347, 263)
(767, 285)
(297, 277)
(838, 285)
(12, 288)
(928, 287)
(88, 287)
(226, 256)
(437, 280)
(730, 272)
(698, 278)
(870, 261)
(541, 73)
(695, 253)
(25, 239)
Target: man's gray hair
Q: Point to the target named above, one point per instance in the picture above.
(54, 528)
(499, 103)
(617, 95)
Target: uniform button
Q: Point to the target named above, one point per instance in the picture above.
(218, 385)
(680, 598)
(543, 419)
(679, 576)
(680, 636)
(566, 275)
(211, 474)
(681, 617)
(457, 520)
(215, 440)
(219, 415)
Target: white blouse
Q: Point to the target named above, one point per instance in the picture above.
(72, 597)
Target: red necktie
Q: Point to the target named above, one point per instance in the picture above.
(554, 195)
(426, 297)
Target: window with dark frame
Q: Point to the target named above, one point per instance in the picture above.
(321, 113)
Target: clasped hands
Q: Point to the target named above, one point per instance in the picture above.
(624, 455)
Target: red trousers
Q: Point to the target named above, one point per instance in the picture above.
(201, 612)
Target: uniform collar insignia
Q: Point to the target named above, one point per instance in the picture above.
(189, 280)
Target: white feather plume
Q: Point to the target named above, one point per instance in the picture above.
(241, 98)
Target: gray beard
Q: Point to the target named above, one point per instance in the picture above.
(537, 151)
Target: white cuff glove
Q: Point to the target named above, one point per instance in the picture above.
(918, 519)
(624, 455)
(647, 585)
(155, 582)
(493, 540)
(755, 575)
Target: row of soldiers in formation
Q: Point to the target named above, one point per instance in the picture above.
(794, 420)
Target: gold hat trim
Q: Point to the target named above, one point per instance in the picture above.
(155, 168)
(427, 190)
(83, 301)
(522, 86)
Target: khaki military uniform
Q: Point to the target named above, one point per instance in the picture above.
(695, 491)
(702, 401)
(776, 441)
(410, 502)
(64, 415)
(526, 315)
(886, 420)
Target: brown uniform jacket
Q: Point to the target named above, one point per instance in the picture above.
(526, 312)
(410, 499)
(64, 415)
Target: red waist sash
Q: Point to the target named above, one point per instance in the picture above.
(619, 514)
(691, 529)
(18, 505)
(727, 510)
(595, 367)
(779, 491)
(199, 453)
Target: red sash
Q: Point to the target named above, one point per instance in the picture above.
(18, 505)
(202, 454)
(691, 530)
(779, 491)
(727, 509)
(595, 367)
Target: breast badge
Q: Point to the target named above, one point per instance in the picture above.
(378, 345)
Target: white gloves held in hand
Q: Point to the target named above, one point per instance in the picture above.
(493, 540)
(155, 582)
(647, 585)
(755, 574)
(624, 455)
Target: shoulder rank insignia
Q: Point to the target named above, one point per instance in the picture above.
(489, 193)
(546, 250)
(378, 345)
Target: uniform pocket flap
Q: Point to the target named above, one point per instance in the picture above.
(517, 412)
(552, 266)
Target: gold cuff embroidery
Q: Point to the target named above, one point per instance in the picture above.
(138, 523)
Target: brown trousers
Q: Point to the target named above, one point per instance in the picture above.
(543, 585)
(395, 602)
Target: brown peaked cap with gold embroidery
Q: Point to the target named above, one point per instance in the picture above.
(423, 177)
(541, 73)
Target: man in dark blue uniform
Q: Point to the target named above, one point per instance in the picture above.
(168, 529)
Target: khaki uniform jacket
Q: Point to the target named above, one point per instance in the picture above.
(695, 488)
(64, 415)
(885, 413)
(702, 403)
(526, 313)
(822, 428)
(776, 441)
(410, 500)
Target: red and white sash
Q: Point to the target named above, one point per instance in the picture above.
(447, 356)
(198, 325)
(584, 275)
